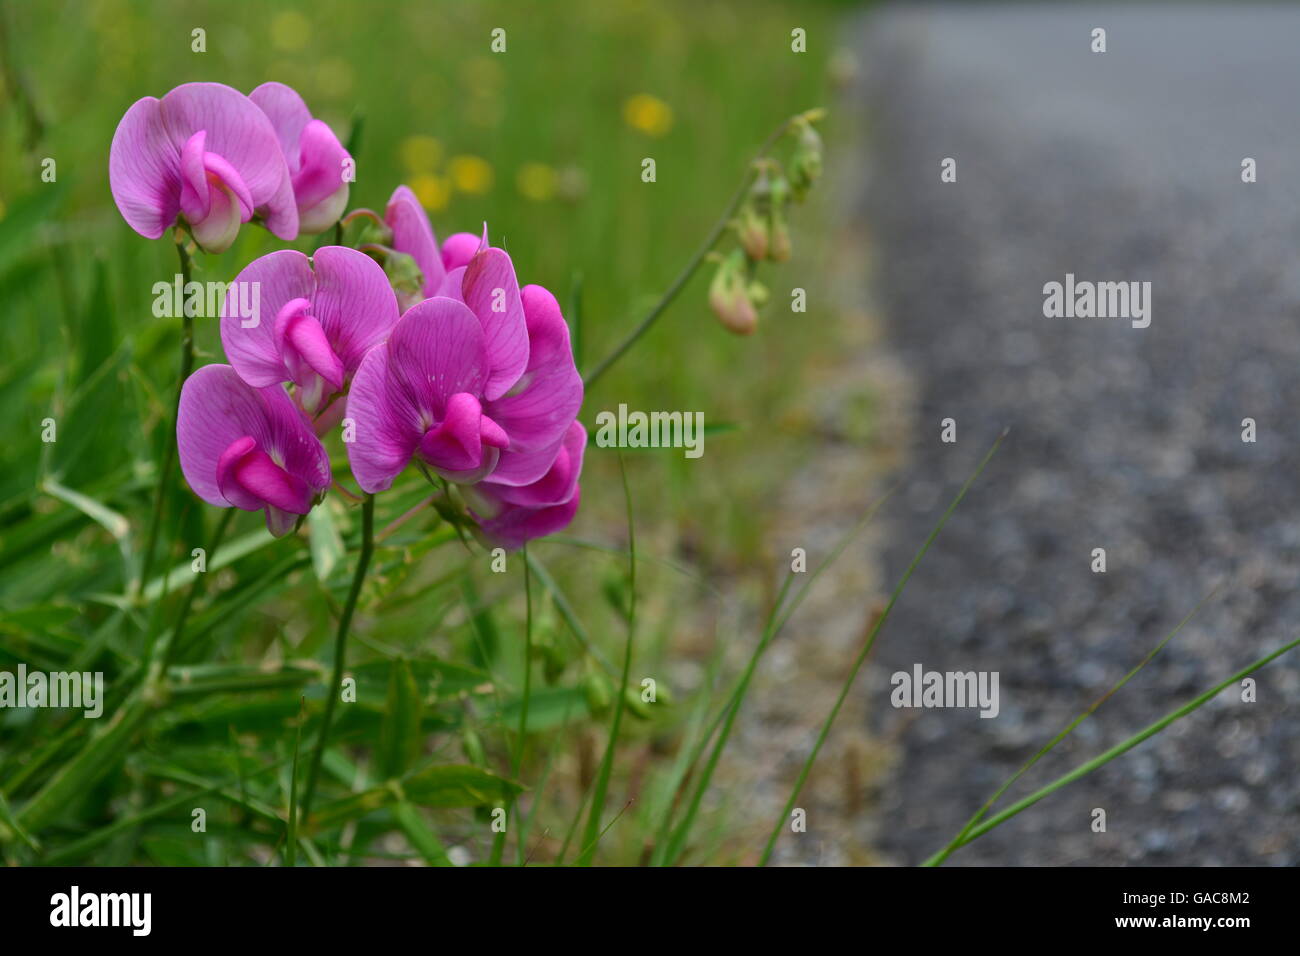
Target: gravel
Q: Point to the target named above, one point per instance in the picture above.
(1116, 166)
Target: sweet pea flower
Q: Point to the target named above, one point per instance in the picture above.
(411, 234)
(317, 160)
(478, 380)
(204, 152)
(510, 515)
(249, 448)
(318, 317)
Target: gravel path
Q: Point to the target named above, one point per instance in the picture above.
(1114, 167)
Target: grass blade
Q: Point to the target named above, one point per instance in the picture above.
(866, 649)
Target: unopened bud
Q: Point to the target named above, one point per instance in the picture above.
(752, 229)
(806, 164)
(729, 296)
(597, 691)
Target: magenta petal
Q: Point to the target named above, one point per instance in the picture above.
(491, 291)
(280, 277)
(413, 234)
(288, 115)
(354, 302)
(456, 443)
(218, 409)
(514, 526)
(459, 249)
(556, 484)
(436, 350)
(241, 134)
(143, 170)
(539, 409)
(320, 172)
(387, 423)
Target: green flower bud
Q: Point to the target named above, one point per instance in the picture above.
(806, 164)
(729, 296)
(597, 689)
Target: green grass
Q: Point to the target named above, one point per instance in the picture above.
(206, 674)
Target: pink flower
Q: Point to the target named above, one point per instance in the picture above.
(511, 515)
(204, 152)
(478, 380)
(312, 327)
(413, 235)
(317, 160)
(249, 448)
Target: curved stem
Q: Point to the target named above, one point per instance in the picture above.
(696, 260)
(169, 447)
(340, 651)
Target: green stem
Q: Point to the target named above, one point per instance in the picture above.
(499, 842)
(169, 444)
(1118, 749)
(866, 649)
(172, 645)
(695, 261)
(340, 652)
(593, 831)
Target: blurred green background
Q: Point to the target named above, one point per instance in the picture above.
(543, 142)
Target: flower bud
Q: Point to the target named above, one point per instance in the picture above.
(779, 248)
(405, 277)
(597, 691)
(752, 230)
(729, 296)
(806, 164)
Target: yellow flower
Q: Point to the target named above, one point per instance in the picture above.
(290, 30)
(433, 191)
(470, 174)
(536, 181)
(648, 114)
(420, 154)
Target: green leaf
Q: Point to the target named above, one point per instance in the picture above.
(327, 550)
(399, 734)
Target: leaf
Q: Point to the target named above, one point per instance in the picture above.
(327, 550)
(399, 734)
(446, 787)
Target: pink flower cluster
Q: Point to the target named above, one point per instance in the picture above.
(472, 377)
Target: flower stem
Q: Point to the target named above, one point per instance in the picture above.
(169, 446)
(695, 262)
(340, 652)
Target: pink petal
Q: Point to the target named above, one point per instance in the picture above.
(491, 291)
(320, 173)
(515, 526)
(413, 234)
(288, 115)
(218, 409)
(143, 170)
(557, 483)
(241, 134)
(459, 249)
(354, 302)
(280, 278)
(539, 410)
(436, 350)
(388, 424)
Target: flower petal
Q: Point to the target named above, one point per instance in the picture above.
(242, 135)
(354, 302)
(537, 413)
(387, 423)
(143, 170)
(459, 249)
(491, 291)
(436, 350)
(288, 115)
(556, 486)
(218, 408)
(414, 235)
(515, 526)
(276, 279)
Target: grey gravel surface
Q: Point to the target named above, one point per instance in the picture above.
(1114, 167)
